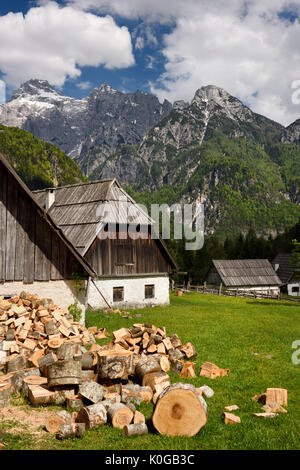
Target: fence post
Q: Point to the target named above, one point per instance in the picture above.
(220, 289)
(204, 287)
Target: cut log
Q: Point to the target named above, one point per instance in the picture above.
(177, 366)
(155, 378)
(277, 395)
(39, 395)
(87, 361)
(53, 423)
(207, 391)
(55, 343)
(88, 376)
(164, 364)
(74, 403)
(210, 370)
(5, 394)
(230, 418)
(64, 373)
(145, 366)
(175, 340)
(137, 429)
(67, 351)
(115, 364)
(180, 411)
(67, 431)
(15, 363)
(113, 397)
(36, 356)
(138, 418)
(18, 377)
(120, 415)
(91, 391)
(92, 416)
(32, 380)
(188, 370)
(188, 350)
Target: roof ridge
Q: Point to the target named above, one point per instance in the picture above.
(75, 184)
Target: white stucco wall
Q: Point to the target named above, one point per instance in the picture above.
(134, 292)
(290, 289)
(63, 293)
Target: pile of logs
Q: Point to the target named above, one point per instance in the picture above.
(104, 384)
(32, 329)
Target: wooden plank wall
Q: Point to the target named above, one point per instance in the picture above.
(29, 249)
(127, 256)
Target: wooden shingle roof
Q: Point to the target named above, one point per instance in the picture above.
(285, 271)
(83, 210)
(246, 272)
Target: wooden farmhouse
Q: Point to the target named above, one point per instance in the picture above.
(283, 266)
(244, 274)
(74, 243)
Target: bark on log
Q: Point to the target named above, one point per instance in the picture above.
(277, 395)
(137, 429)
(32, 380)
(64, 373)
(179, 411)
(16, 363)
(18, 377)
(67, 351)
(5, 394)
(91, 391)
(92, 416)
(120, 415)
(88, 376)
(87, 361)
(74, 404)
(115, 365)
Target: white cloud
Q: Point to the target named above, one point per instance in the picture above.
(53, 43)
(242, 46)
(2, 92)
(84, 85)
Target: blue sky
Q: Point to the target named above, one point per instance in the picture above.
(248, 47)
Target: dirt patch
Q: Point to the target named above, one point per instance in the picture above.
(17, 419)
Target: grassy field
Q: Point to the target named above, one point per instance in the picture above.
(252, 338)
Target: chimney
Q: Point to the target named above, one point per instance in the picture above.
(50, 198)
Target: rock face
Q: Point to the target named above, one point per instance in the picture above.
(106, 118)
(292, 133)
(186, 126)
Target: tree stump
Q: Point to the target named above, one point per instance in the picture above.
(64, 373)
(180, 411)
(115, 364)
(137, 429)
(92, 416)
(120, 415)
(5, 394)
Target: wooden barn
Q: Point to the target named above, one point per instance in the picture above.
(35, 255)
(244, 274)
(283, 266)
(110, 231)
(51, 239)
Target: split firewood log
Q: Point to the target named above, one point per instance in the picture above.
(277, 395)
(120, 415)
(115, 364)
(146, 365)
(210, 370)
(5, 394)
(64, 373)
(230, 418)
(36, 356)
(138, 418)
(179, 411)
(54, 422)
(74, 403)
(91, 391)
(155, 378)
(93, 415)
(188, 370)
(136, 429)
(188, 350)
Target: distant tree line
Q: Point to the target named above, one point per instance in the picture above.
(243, 246)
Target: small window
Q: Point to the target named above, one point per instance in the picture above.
(295, 289)
(118, 294)
(149, 291)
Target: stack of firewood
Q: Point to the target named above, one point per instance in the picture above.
(104, 384)
(32, 329)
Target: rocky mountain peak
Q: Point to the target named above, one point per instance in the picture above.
(214, 99)
(37, 90)
(292, 133)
